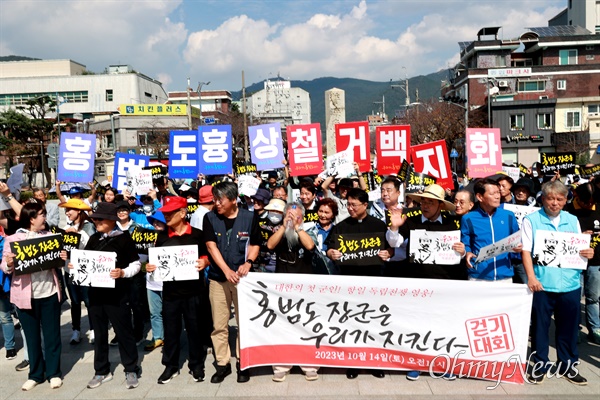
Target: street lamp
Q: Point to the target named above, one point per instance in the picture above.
(200, 84)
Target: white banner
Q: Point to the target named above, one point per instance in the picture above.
(560, 249)
(139, 181)
(473, 329)
(92, 268)
(430, 247)
(513, 172)
(248, 185)
(341, 165)
(501, 246)
(174, 263)
(520, 211)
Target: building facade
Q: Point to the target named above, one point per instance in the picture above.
(280, 102)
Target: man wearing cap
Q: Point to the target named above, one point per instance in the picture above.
(206, 203)
(432, 203)
(485, 225)
(266, 260)
(233, 242)
(182, 299)
(113, 304)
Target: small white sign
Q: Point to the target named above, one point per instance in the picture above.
(248, 185)
(560, 249)
(92, 268)
(174, 263)
(501, 246)
(431, 247)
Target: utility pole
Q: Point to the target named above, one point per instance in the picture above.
(244, 116)
(189, 105)
(404, 87)
(382, 102)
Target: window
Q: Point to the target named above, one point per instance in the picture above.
(109, 95)
(148, 94)
(20, 99)
(532, 86)
(517, 122)
(500, 61)
(593, 108)
(573, 119)
(544, 121)
(561, 84)
(567, 57)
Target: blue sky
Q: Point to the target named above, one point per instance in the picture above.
(214, 41)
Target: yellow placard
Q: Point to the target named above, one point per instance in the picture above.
(157, 109)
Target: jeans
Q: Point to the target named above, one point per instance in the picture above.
(156, 321)
(8, 327)
(78, 294)
(591, 287)
(520, 276)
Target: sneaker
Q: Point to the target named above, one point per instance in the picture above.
(90, 336)
(413, 375)
(222, 372)
(55, 382)
(154, 345)
(575, 378)
(448, 376)
(99, 380)
(28, 385)
(536, 379)
(11, 354)
(280, 376)
(311, 376)
(114, 341)
(131, 380)
(168, 374)
(75, 337)
(594, 336)
(22, 366)
(242, 376)
(198, 374)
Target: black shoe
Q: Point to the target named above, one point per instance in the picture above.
(198, 374)
(377, 373)
(11, 354)
(575, 378)
(536, 379)
(168, 374)
(351, 373)
(222, 372)
(242, 376)
(22, 366)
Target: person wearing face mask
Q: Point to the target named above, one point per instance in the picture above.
(267, 224)
(149, 204)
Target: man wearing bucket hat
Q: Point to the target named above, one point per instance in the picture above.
(206, 202)
(432, 202)
(113, 304)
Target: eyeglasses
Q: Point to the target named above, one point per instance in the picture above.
(356, 205)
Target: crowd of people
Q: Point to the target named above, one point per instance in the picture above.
(287, 226)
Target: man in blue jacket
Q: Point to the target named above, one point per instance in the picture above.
(483, 226)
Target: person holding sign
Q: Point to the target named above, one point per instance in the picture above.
(113, 304)
(37, 296)
(77, 222)
(486, 225)
(367, 235)
(557, 291)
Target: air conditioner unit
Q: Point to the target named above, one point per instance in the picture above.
(502, 83)
(543, 97)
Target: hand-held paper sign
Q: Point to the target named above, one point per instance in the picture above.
(139, 181)
(76, 157)
(560, 249)
(484, 154)
(432, 159)
(393, 144)
(305, 150)
(174, 263)
(562, 162)
(183, 154)
(143, 239)
(431, 247)
(123, 162)
(215, 148)
(354, 136)
(92, 268)
(266, 146)
(37, 254)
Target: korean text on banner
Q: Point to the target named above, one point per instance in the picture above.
(562, 162)
(560, 249)
(266, 146)
(465, 328)
(305, 149)
(183, 154)
(432, 159)
(359, 248)
(248, 185)
(139, 181)
(76, 157)
(143, 239)
(393, 143)
(484, 154)
(174, 263)
(431, 247)
(37, 254)
(92, 268)
(215, 148)
(124, 161)
(354, 136)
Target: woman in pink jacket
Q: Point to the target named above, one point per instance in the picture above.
(37, 297)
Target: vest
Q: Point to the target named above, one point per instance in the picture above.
(233, 249)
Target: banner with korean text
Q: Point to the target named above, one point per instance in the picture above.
(562, 162)
(214, 146)
(76, 157)
(37, 254)
(432, 159)
(124, 161)
(471, 329)
(393, 143)
(183, 155)
(266, 147)
(484, 154)
(354, 136)
(305, 149)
